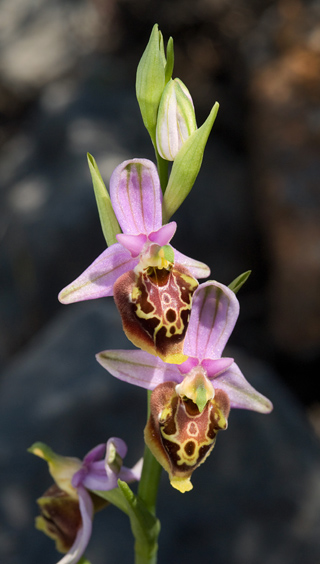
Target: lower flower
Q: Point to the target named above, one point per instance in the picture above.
(190, 402)
(179, 434)
(68, 506)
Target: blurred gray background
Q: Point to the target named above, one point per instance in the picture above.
(67, 73)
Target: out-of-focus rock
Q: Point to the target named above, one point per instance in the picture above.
(285, 143)
(42, 40)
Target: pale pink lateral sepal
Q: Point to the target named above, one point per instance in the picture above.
(139, 368)
(241, 394)
(98, 279)
(196, 268)
(136, 196)
(215, 310)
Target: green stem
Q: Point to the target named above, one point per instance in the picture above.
(150, 477)
(148, 491)
(151, 471)
(162, 166)
(145, 559)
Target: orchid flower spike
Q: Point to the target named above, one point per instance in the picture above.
(152, 282)
(67, 507)
(190, 402)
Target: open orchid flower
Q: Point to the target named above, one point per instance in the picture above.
(67, 507)
(152, 282)
(191, 401)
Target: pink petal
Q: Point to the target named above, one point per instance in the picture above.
(131, 474)
(196, 268)
(136, 196)
(134, 243)
(164, 235)
(84, 533)
(188, 365)
(215, 367)
(97, 281)
(139, 368)
(241, 394)
(214, 312)
(95, 454)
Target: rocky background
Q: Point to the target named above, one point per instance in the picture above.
(67, 73)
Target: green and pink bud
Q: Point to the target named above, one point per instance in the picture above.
(176, 119)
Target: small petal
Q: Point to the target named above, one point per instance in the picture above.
(195, 267)
(138, 368)
(134, 243)
(215, 367)
(136, 196)
(94, 454)
(164, 235)
(98, 279)
(215, 310)
(188, 365)
(98, 480)
(241, 394)
(84, 533)
(132, 474)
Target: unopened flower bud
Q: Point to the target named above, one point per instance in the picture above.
(176, 119)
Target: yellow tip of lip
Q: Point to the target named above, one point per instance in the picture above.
(181, 484)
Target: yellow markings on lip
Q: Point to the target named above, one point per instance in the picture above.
(162, 301)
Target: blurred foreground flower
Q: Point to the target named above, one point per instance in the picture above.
(145, 274)
(67, 507)
(191, 401)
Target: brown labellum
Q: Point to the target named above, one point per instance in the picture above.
(60, 517)
(179, 436)
(155, 308)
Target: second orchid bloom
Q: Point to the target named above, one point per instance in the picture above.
(191, 401)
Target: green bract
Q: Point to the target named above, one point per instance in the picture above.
(108, 220)
(152, 75)
(176, 119)
(186, 166)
